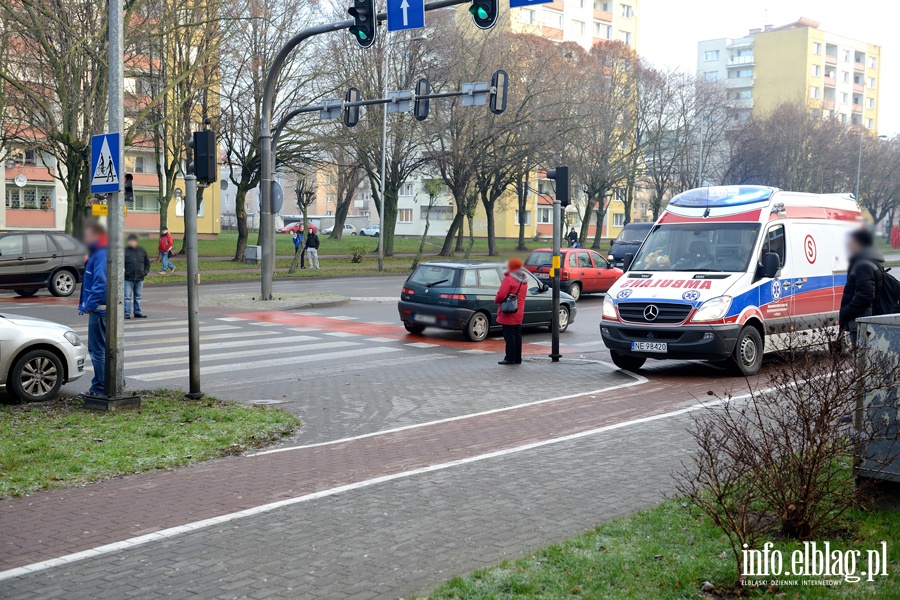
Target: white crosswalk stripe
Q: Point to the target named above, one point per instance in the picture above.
(292, 339)
(253, 352)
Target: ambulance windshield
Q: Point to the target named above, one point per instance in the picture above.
(698, 247)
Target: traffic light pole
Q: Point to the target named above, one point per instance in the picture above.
(193, 288)
(554, 318)
(268, 147)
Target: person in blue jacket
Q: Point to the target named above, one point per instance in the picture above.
(93, 302)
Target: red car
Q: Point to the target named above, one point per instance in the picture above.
(583, 271)
(294, 228)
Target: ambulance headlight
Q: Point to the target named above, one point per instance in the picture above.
(712, 310)
(609, 309)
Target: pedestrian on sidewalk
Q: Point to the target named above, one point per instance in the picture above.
(572, 238)
(137, 266)
(298, 250)
(511, 310)
(166, 248)
(312, 248)
(93, 302)
(864, 280)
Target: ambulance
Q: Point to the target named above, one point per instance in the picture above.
(726, 273)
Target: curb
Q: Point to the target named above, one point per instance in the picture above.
(298, 279)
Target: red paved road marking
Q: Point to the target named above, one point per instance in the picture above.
(55, 523)
(387, 331)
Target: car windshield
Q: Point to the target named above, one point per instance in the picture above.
(433, 276)
(632, 235)
(539, 259)
(698, 247)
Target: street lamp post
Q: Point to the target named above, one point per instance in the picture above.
(384, 122)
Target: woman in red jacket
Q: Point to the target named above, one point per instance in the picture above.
(515, 284)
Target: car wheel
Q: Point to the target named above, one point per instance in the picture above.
(62, 284)
(563, 318)
(352, 233)
(413, 328)
(26, 293)
(575, 291)
(626, 362)
(748, 352)
(36, 376)
(478, 327)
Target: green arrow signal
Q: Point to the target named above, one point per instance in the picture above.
(478, 11)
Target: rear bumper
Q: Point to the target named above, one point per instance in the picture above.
(445, 317)
(692, 342)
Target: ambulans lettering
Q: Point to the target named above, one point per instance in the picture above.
(698, 284)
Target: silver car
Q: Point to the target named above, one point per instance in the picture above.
(37, 357)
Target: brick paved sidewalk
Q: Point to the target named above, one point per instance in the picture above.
(54, 523)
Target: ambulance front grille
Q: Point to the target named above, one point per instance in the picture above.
(669, 314)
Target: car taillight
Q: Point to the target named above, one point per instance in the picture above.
(409, 291)
(564, 275)
(452, 296)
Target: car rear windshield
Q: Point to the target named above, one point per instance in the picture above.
(539, 259)
(434, 276)
(632, 235)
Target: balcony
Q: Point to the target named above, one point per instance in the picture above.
(738, 82)
(828, 104)
(857, 108)
(742, 103)
(830, 80)
(858, 66)
(858, 87)
(735, 61)
(602, 15)
(830, 60)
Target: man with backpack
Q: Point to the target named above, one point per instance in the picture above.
(865, 292)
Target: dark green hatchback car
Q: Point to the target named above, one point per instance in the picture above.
(460, 296)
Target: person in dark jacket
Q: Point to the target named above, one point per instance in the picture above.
(93, 302)
(515, 283)
(572, 238)
(312, 248)
(137, 266)
(864, 279)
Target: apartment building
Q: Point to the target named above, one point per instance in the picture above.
(586, 22)
(834, 75)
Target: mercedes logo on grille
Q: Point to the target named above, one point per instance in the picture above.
(651, 312)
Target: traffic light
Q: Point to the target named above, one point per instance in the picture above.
(205, 156)
(422, 103)
(484, 13)
(351, 113)
(365, 27)
(129, 188)
(561, 175)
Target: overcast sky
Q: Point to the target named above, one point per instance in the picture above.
(670, 30)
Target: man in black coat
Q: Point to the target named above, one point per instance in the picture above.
(864, 280)
(312, 248)
(137, 266)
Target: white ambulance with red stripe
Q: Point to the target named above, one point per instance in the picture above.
(726, 271)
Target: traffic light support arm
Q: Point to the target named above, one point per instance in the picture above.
(267, 145)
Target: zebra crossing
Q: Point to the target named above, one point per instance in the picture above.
(156, 352)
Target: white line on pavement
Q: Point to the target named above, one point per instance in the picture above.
(342, 318)
(277, 362)
(211, 336)
(177, 360)
(265, 508)
(230, 319)
(422, 345)
(382, 340)
(269, 341)
(339, 334)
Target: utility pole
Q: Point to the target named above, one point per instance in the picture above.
(193, 288)
(561, 175)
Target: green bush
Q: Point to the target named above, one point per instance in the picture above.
(357, 252)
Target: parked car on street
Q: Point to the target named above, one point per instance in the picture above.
(33, 260)
(582, 272)
(628, 242)
(37, 357)
(348, 230)
(371, 230)
(292, 228)
(460, 296)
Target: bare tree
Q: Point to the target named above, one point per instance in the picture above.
(879, 185)
(434, 188)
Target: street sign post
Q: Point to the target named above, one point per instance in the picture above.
(105, 163)
(405, 14)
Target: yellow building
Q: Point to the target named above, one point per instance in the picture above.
(834, 75)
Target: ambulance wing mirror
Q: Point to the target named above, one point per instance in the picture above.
(626, 262)
(771, 264)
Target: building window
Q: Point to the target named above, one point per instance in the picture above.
(405, 215)
(528, 16)
(873, 62)
(711, 55)
(545, 215)
(437, 213)
(816, 71)
(602, 31)
(625, 37)
(619, 194)
(846, 77)
(871, 83)
(870, 124)
(711, 76)
(845, 98)
(29, 197)
(148, 202)
(814, 92)
(740, 73)
(553, 19)
(406, 189)
(745, 95)
(817, 48)
(578, 28)
(599, 5)
(846, 56)
(582, 3)
(870, 103)
(627, 11)
(618, 220)
(527, 217)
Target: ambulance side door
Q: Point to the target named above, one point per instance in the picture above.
(812, 285)
(775, 294)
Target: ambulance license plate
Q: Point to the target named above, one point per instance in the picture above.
(650, 346)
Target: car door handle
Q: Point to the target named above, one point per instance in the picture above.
(21, 258)
(55, 256)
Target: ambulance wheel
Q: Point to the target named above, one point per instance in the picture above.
(625, 362)
(748, 352)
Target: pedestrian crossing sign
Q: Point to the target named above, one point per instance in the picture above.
(105, 167)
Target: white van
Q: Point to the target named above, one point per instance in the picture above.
(726, 271)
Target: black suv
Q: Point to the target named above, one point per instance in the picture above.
(32, 260)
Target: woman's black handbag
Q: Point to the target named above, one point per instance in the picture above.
(511, 304)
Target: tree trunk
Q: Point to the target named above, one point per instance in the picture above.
(460, 235)
(598, 233)
(340, 217)
(240, 211)
(490, 221)
(586, 221)
(471, 220)
(422, 241)
(446, 248)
